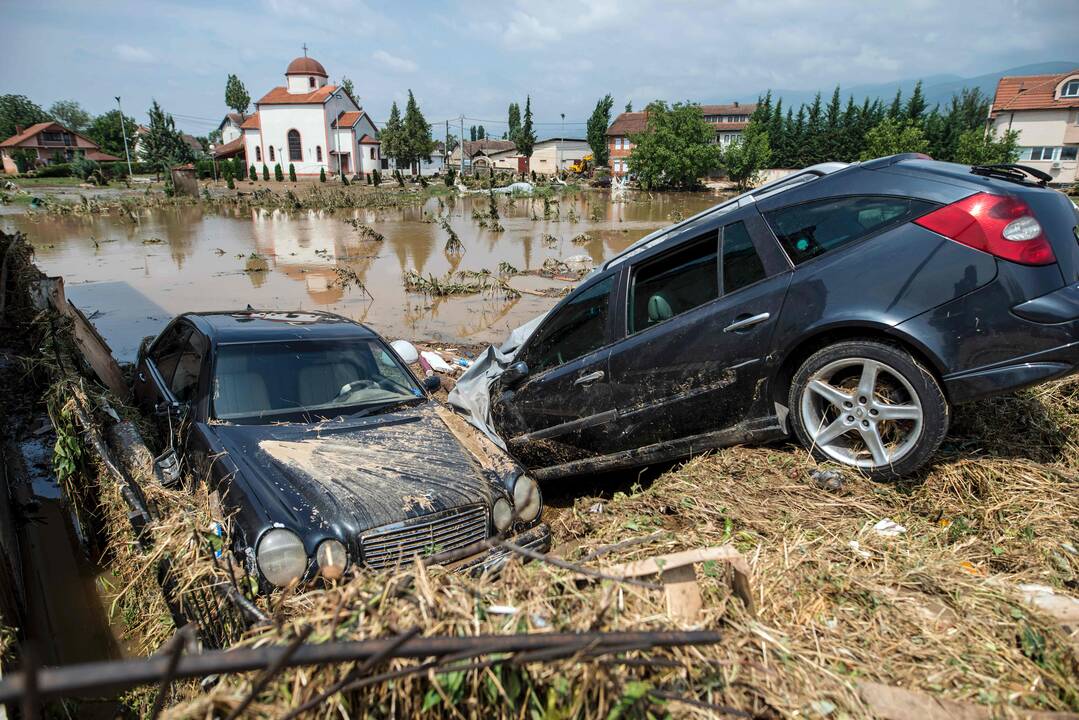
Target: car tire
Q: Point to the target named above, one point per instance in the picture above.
(869, 405)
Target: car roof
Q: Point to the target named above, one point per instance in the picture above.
(250, 325)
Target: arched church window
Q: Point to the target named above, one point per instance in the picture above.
(295, 150)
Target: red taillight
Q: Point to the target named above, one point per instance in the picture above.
(986, 222)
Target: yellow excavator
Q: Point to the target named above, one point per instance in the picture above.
(582, 166)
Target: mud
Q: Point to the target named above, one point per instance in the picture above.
(212, 261)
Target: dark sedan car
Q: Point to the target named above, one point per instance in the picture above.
(323, 449)
(850, 305)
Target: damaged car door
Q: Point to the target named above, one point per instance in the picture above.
(554, 404)
(699, 322)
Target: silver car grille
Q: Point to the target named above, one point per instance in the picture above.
(399, 543)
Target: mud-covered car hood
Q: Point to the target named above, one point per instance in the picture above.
(345, 477)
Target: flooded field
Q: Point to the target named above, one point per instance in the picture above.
(132, 276)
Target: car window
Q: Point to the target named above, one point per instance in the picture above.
(812, 229)
(674, 283)
(185, 379)
(577, 329)
(742, 265)
(322, 377)
(166, 352)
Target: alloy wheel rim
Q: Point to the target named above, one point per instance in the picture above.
(861, 412)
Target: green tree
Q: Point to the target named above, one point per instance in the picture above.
(677, 148)
(472, 133)
(526, 138)
(916, 105)
(513, 121)
(392, 135)
(744, 160)
(977, 147)
(236, 96)
(266, 172)
(481, 134)
(70, 114)
(18, 110)
(252, 174)
(597, 130)
(106, 131)
(629, 106)
(322, 174)
(291, 172)
(24, 158)
(895, 110)
(416, 132)
(349, 88)
(891, 137)
(278, 175)
(163, 145)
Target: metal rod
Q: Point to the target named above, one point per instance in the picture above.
(122, 674)
(273, 669)
(179, 640)
(30, 696)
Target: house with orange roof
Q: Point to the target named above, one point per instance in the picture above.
(311, 124)
(49, 142)
(1044, 110)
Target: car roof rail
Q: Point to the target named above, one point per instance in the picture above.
(769, 188)
(883, 162)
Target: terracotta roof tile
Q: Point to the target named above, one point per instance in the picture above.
(281, 96)
(487, 146)
(1032, 92)
(306, 66)
(629, 123)
(101, 156)
(28, 133)
(348, 119)
(368, 140)
(230, 148)
(251, 123)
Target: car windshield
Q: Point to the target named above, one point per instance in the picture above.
(307, 377)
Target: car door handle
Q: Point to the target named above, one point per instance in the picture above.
(746, 323)
(589, 378)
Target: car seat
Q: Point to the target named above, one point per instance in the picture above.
(659, 309)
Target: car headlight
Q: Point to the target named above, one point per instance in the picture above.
(281, 557)
(502, 514)
(332, 558)
(526, 498)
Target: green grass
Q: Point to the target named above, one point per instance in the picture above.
(38, 182)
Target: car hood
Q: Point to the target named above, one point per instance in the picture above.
(345, 477)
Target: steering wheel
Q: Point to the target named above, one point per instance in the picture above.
(349, 388)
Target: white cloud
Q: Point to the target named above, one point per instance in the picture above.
(133, 53)
(394, 62)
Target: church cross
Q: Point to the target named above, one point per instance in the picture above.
(305, 49)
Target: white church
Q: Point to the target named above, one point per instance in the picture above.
(312, 125)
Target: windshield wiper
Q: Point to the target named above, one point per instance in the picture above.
(386, 406)
(1013, 173)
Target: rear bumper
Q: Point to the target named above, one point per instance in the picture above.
(1013, 374)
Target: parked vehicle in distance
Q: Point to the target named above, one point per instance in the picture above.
(323, 450)
(850, 306)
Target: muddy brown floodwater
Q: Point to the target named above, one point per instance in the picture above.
(177, 260)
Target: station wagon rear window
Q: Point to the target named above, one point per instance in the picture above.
(814, 228)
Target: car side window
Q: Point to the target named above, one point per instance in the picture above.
(185, 379)
(577, 329)
(674, 283)
(166, 352)
(814, 228)
(742, 265)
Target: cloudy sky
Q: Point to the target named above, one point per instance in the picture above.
(473, 58)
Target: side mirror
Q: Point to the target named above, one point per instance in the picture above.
(433, 383)
(514, 374)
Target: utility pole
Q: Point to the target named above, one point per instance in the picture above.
(446, 149)
(123, 130)
(560, 141)
(462, 145)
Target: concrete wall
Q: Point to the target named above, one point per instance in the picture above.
(547, 156)
(1044, 128)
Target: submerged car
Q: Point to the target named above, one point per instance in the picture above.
(324, 451)
(849, 305)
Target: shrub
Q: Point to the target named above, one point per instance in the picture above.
(24, 158)
(376, 177)
(114, 170)
(450, 177)
(423, 181)
(83, 167)
(252, 174)
(265, 172)
(55, 170)
(344, 179)
(229, 183)
(204, 168)
(278, 175)
(367, 178)
(399, 178)
(291, 172)
(322, 174)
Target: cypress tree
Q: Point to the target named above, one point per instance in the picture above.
(266, 172)
(916, 105)
(291, 172)
(322, 174)
(895, 110)
(277, 174)
(253, 174)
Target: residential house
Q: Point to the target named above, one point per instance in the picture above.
(435, 166)
(311, 124)
(1044, 110)
(230, 127)
(478, 152)
(49, 142)
(728, 122)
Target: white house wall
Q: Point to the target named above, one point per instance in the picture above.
(1042, 128)
(309, 120)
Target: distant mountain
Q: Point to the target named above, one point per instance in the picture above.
(937, 88)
